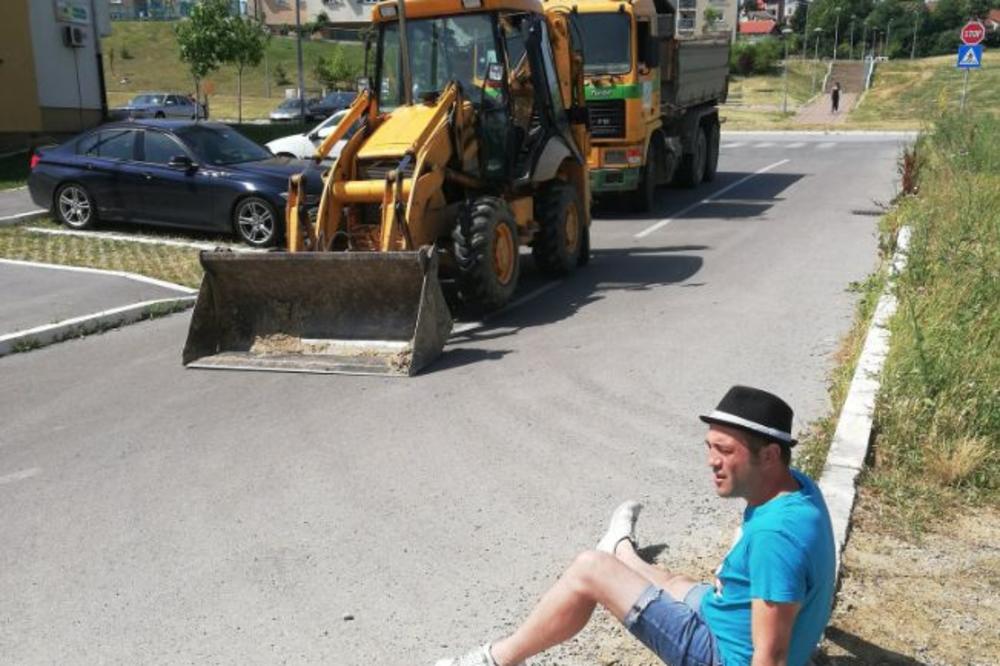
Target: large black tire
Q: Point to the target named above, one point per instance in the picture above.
(74, 206)
(486, 254)
(645, 198)
(256, 222)
(560, 237)
(713, 134)
(584, 257)
(692, 169)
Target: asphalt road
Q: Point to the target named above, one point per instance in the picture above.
(152, 514)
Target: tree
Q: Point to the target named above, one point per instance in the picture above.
(201, 40)
(245, 42)
(336, 69)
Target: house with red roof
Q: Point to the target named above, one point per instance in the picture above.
(758, 28)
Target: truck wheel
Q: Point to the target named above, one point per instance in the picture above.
(712, 159)
(584, 257)
(645, 197)
(693, 164)
(559, 240)
(486, 253)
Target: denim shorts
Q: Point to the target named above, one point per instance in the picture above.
(675, 631)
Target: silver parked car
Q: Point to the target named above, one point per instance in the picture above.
(158, 105)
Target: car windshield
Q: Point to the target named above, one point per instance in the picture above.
(147, 100)
(455, 48)
(291, 104)
(220, 146)
(606, 42)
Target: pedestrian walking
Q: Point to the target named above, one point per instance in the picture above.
(835, 96)
(772, 595)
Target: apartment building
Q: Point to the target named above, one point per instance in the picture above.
(341, 13)
(50, 67)
(691, 20)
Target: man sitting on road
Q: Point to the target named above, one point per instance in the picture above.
(773, 592)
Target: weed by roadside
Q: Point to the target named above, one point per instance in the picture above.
(173, 264)
(938, 414)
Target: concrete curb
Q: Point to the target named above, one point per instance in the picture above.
(849, 448)
(41, 336)
(30, 216)
(900, 134)
(143, 240)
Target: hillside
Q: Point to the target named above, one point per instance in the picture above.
(907, 93)
(154, 65)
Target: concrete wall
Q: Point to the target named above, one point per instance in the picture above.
(50, 89)
(19, 112)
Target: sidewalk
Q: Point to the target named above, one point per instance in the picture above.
(16, 206)
(818, 111)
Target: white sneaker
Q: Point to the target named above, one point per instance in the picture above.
(479, 657)
(622, 526)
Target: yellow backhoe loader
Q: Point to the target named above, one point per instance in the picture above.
(472, 141)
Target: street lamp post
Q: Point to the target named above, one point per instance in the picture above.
(805, 35)
(786, 32)
(836, 34)
(888, 33)
(913, 45)
(853, 19)
(817, 31)
(864, 39)
(298, 58)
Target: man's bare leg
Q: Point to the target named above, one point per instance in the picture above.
(676, 585)
(593, 578)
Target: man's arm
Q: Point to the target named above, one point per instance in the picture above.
(771, 629)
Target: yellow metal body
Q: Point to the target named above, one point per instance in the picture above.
(410, 207)
(639, 88)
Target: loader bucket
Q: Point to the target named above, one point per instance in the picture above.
(369, 313)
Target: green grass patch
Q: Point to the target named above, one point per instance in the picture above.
(938, 414)
(154, 65)
(13, 170)
(173, 264)
(911, 93)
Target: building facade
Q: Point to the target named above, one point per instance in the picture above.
(340, 13)
(692, 20)
(50, 67)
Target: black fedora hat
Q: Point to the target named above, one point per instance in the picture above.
(755, 411)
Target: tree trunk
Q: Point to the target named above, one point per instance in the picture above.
(239, 94)
(197, 98)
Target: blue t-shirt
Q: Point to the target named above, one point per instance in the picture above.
(784, 554)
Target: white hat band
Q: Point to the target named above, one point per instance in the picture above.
(756, 427)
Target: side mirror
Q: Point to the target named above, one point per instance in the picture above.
(362, 83)
(181, 163)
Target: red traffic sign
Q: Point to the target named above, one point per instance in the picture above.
(973, 33)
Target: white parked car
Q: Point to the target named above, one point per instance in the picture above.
(303, 146)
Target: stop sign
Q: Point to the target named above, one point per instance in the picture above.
(973, 33)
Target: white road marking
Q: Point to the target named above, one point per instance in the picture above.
(20, 476)
(662, 223)
(827, 144)
(468, 326)
(797, 144)
(763, 144)
(735, 144)
(99, 271)
(127, 238)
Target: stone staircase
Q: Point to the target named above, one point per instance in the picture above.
(850, 74)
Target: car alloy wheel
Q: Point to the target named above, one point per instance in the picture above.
(255, 222)
(75, 209)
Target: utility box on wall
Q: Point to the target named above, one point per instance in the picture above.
(50, 68)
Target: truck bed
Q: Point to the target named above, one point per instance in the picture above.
(700, 74)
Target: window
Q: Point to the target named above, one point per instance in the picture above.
(607, 42)
(114, 144)
(159, 148)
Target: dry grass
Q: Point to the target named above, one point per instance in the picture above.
(173, 264)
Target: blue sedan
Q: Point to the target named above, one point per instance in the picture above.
(188, 174)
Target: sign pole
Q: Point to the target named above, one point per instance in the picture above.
(965, 89)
